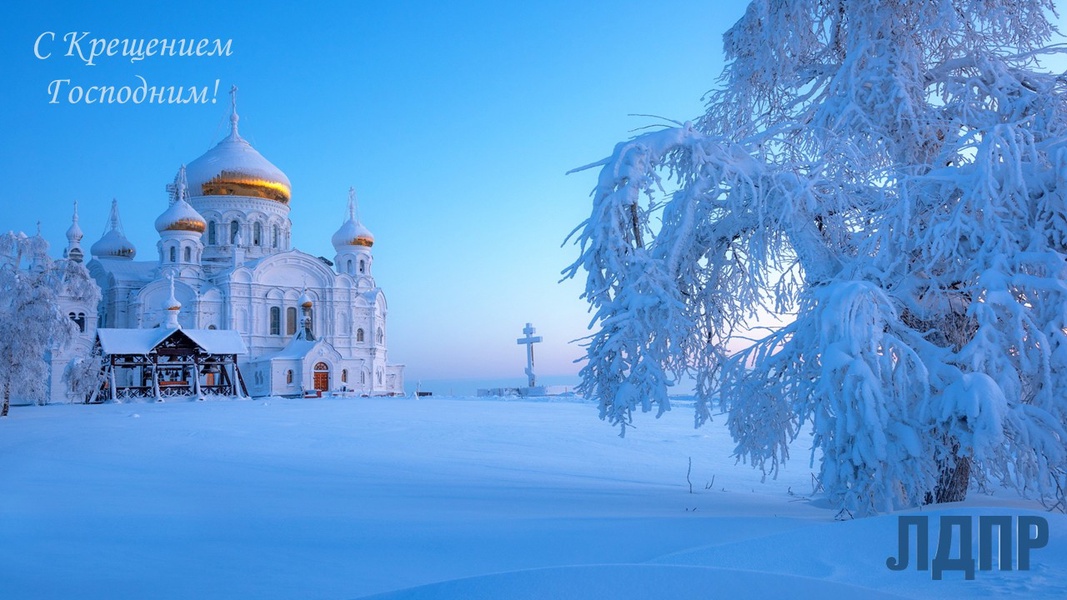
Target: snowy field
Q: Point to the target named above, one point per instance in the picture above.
(435, 498)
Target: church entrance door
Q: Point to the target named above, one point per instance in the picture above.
(322, 377)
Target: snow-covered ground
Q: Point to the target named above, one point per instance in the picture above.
(435, 498)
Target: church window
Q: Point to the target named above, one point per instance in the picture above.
(257, 233)
(348, 266)
(290, 320)
(188, 254)
(235, 228)
(79, 320)
(344, 375)
(275, 320)
(359, 335)
(274, 236)
(289, 377)
(173, 254)
(363, 377)
(212, 327)
(362, 266)
(381, 335)
(379, 376)
(211, 233)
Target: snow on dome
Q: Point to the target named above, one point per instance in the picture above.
(113, 244)
(74, 232)
(305, 300)
(352, 232)
(180, 217)
(234, 168)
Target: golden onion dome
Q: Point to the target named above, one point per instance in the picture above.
(352, 233)
(234, 168)
(180, 216)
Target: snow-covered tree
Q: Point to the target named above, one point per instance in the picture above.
(891, 174)
(31, 322)
(84, 375)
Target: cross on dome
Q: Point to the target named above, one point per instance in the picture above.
(352, 211)
(183, 184)
(352, 232)
(233, 113)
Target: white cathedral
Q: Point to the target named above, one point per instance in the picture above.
(225, 265)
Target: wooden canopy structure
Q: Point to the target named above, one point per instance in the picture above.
(166, 363)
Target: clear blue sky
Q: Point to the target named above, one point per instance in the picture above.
(455, 121)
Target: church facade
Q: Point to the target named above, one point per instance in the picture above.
(224, 254)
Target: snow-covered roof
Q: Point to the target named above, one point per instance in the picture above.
(297, 348)
(218, 341)
(128, 270)
(143, 341)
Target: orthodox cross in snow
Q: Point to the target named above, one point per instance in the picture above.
(529, 340)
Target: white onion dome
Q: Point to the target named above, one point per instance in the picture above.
(113, 244)
(234, 168)
(305, 300)
(180, 216)
(352, 233)
(74, 233)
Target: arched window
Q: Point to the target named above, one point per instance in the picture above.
(348, 267)
(362, 377)
(257, 233)
(359, 335)
(290, 320)
(289, 377)
(188, 254)
(173, 254)
(275, 320)
(212, 327)
(79, 320)
(235, 228)
(211, 233)
(274, 236)
(344, 375)
(381, 335)
(362, 266)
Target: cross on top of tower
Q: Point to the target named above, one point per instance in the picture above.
(233, 112)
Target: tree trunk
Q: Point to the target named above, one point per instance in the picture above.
(952, 486)
(7, 402)
(954, 479)
(954, 329)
